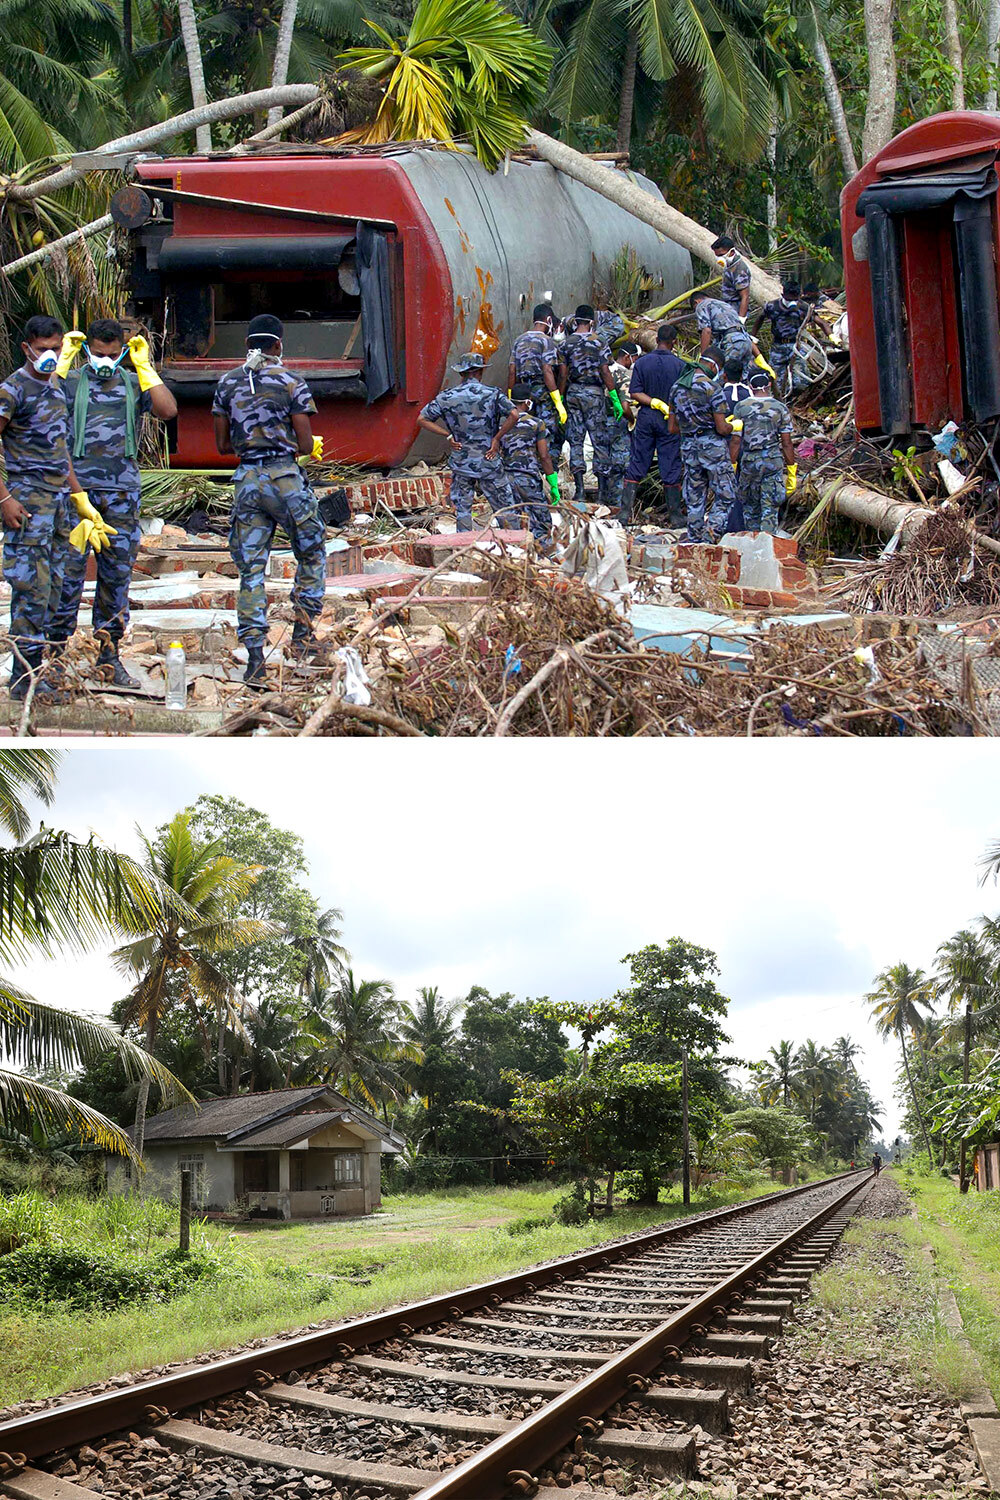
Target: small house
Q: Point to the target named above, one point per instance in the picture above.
(288, 1154)
(987, 1167)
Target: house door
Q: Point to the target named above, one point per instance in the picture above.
(255, 1172)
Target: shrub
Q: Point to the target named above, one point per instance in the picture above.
(572, 1209)
(527, 1225)
(84, 1281)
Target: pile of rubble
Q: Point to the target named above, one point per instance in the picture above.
(429, 632)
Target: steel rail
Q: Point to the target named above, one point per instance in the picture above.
(74, 1422)
(488, 1475)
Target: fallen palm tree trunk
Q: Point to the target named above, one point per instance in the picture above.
(616, 187)
(887, 515)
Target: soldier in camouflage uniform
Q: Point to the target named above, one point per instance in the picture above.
(524, 451)
(471, 415)
(620, 445)
(765, 449)
(262, 415)
(786, 314)
(534, 360)
(698, 413)
(106, 404)
(35, 500)
(735, 288)
(720, 324)
(585, 376)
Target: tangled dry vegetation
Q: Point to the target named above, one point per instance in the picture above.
(544, 655)
(941, 569)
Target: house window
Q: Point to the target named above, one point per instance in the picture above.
(196, 1166)
(347, 1169)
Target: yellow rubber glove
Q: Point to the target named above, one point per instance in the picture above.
(99, 531)
(762, 364)
(736, 424)
(660, 406)
(791, 479)
(72, 343)
(557, 402)
(142, 362)
(315, 454)
(80, 537)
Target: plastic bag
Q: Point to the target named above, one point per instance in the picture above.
(354, 687)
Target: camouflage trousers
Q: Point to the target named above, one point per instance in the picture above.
(706, 465)
(586, 412)
(619, 453)
(34, 558)
(737, 344)
(484, 476)
(530, 499)
(115, 561)
(779, 359)
(555, 432)
(761, 488)
(269, 495)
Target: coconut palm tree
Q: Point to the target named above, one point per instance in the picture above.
(898, 1002)
(324, 953)
(466, 71)
(430, 1022)
(967, 977)
(60, 895)
(817, 1075)
(779, 1077)
(844, 1050)
(353, 1032)
(172, 960)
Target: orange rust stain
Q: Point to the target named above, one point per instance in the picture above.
(460, 312)
(463, 238)
(486, 339)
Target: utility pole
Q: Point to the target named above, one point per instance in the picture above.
(685, 1132)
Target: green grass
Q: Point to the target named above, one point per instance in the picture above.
(964, 1233)
(418, 1246)
(894, 1319)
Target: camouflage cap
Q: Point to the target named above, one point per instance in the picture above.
(469, 362)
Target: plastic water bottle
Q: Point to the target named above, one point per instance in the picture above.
(176, 681)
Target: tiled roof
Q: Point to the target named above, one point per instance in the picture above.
(293, 1128)
(226, 1117)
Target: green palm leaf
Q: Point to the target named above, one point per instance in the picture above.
(24, 1103)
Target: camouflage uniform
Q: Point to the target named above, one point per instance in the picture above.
(726, 329)
(762, 464)
(474, 413)
(705, 461)
(583, 354)
(529, 354)
(519, 453)
(611, 326)
(785, 324)
(271, 491)
(735, 279)
(620, 448)
(111, 479)
(36, 449)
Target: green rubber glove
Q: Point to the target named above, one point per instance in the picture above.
(616, 404)
(552, 481)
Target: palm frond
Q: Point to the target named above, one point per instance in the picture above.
(24, 1102)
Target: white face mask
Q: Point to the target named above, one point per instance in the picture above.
(103, 365)
(788, 301)
(45, 363)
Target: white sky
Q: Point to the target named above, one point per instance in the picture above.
(534, 866)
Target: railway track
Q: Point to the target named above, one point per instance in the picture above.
(610, 1360)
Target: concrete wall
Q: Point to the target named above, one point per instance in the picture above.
(212, 1187)
(988, 1167)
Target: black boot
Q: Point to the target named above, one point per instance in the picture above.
(629, 489)
(119, 676)
(254, 676)
(674, 506)
(578, 492)
(602, 489)
(20, 682)
(303, 640)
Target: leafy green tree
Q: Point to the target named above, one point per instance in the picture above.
(782, 1136)
(778, 1075)
(967, 976)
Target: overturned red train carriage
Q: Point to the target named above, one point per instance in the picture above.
(920, 238)
(384, 266)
